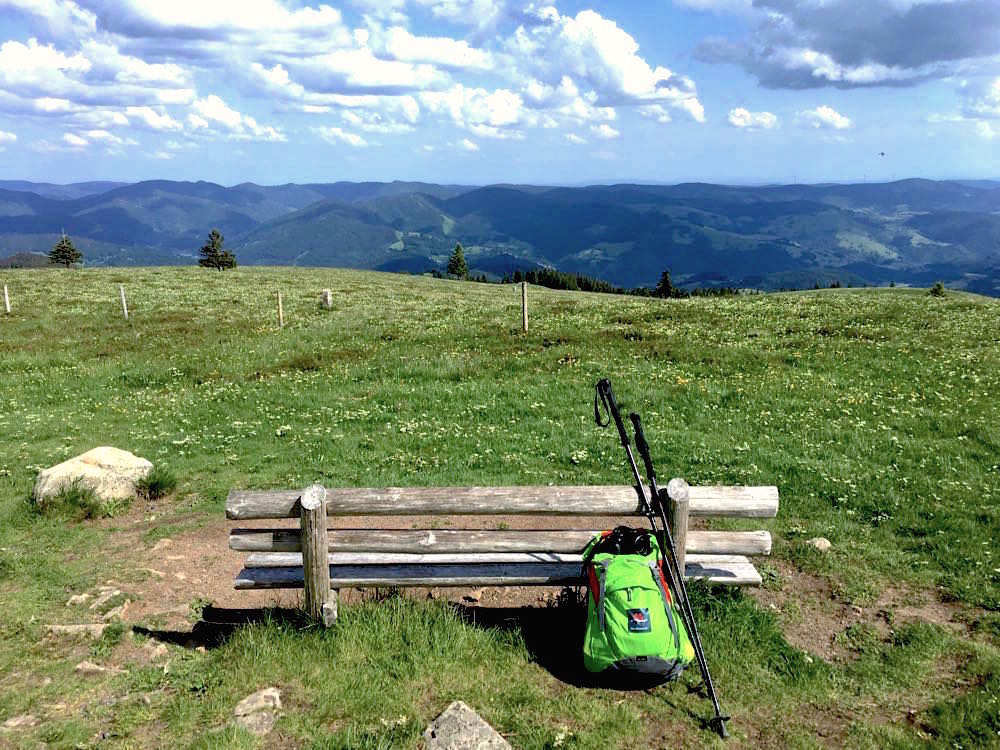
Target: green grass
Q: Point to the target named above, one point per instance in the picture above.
(875, 412)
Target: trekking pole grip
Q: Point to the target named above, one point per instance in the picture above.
(642, 445)
(608, 397)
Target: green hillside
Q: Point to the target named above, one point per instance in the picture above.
(877, 413)
(911, 232)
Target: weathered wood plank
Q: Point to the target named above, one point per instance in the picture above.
(611, 500)
(481, 540)
(730, 570)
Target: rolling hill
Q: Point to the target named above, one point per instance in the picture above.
(910, 231)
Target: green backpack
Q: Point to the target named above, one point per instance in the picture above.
(632, 624)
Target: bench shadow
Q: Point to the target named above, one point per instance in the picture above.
(217, 624)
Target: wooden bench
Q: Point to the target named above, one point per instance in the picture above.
(323, 560)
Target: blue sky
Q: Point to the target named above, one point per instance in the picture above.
(480, 91)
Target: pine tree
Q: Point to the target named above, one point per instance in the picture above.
(664, 287)
(456, 264)
(64, 253)
(213, 255)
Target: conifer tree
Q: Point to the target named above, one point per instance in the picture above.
(213, 255)
(64, 253)
(664, 288)
(456, 264)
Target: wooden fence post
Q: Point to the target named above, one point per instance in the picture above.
(524, 306)
(6, 299)
(677, 492)
(121, 291)
(326, 299)
(320, 601)
(281, 313)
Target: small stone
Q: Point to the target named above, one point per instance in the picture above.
(820, 543)
(156, 650)
(259, 722)
(258, 712)
(267, 699)
(156, 573)
(21, 721)
(460, 728)
(118, 613)
(78, 600)
(91, 630)
(89, 668)
(474, 596)
(106, 596)
(180, 576)
(162, 544)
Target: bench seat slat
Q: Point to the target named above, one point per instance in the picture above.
(294, 559)
(480, 540)
(611, 500)
(731, 570)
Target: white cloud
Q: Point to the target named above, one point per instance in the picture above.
(74, 141)
(741, 117)
(574, 138)
(479, 14)
(153, 119)
(335, 135)
(595, 53)
(212, 113)
(400, 44)
(825, 117)
(605, 131)
(7, 137)
(982, 99)
(374, 122)
(466, 145)
(985, 130)
(483, 112)
(656, 112)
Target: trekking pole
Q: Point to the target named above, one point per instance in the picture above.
(719, 721)
(607, 396)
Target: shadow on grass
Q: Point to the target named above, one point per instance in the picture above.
(217, 624)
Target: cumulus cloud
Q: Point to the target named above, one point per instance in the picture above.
(574, 138)
(825, 117)
(605, 132)
(744, 118)
(986, 130)
(595, 54)
(7, 136)
(816, 43)
(335, 135)
(211, 113)
(153, 119)
(75, 141)
(982, 98)
(493, 114)
(400, 44)
(466, 145)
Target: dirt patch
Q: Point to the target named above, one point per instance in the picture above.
(811, 616)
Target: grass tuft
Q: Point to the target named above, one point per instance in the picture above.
(159, 482)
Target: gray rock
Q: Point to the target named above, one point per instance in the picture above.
(78, 600)
(110, 473)
(820, 543)
(90, 630)
(22, 721)
(89, 668)
(460, 728)
(258, 712)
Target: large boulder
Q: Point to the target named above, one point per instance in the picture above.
(110, 473)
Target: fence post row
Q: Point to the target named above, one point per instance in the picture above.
(121, 292)
(6, 299)
(320, 601)
(281, 313)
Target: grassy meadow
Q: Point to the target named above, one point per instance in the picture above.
(876, 412)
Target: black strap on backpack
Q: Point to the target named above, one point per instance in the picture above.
(622, 540)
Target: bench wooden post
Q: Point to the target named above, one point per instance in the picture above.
(677, 492)
(320, 601)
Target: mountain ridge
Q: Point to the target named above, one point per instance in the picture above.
(625, 233)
